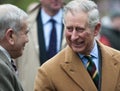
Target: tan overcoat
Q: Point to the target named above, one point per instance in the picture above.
(65, 72)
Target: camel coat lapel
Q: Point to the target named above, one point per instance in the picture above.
(110, 70)
(75, 69)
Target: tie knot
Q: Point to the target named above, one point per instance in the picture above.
(52, 21)
(89, 57)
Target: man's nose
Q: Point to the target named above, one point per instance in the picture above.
(74, 35)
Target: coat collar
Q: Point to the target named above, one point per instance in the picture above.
(110, 70)
(5, 59)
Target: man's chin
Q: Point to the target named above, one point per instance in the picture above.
(77, 49)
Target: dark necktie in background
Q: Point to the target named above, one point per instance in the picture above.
(13, 65)
(52, 50)
(92, 70)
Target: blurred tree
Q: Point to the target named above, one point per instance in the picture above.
(23, 4)
(6, 1)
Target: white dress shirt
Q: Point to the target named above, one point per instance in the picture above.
(47, 27)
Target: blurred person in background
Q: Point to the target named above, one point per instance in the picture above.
(110, 33)
(13, 37)
(38, 49)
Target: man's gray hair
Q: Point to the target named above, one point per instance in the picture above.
(11, 17)
(86, 6)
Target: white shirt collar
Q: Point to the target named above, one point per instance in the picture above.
(5, 52)
(46, 17)
(94, 51)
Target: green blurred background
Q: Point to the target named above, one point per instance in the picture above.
(23, 4)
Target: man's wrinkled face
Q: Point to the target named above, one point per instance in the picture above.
(78, 34)
(20, 39)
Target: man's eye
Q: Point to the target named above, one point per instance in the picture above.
(78, 29)
(69, 28)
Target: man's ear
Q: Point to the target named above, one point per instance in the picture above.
(9, 34)
(97, 29)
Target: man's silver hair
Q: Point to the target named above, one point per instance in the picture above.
(11, 17)
(86, 6)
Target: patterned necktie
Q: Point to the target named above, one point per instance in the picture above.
(92, 70)
(13, 65)
(52, 50)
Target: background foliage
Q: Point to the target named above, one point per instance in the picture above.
(23, 4)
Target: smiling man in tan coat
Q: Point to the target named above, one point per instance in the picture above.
(70, 70)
